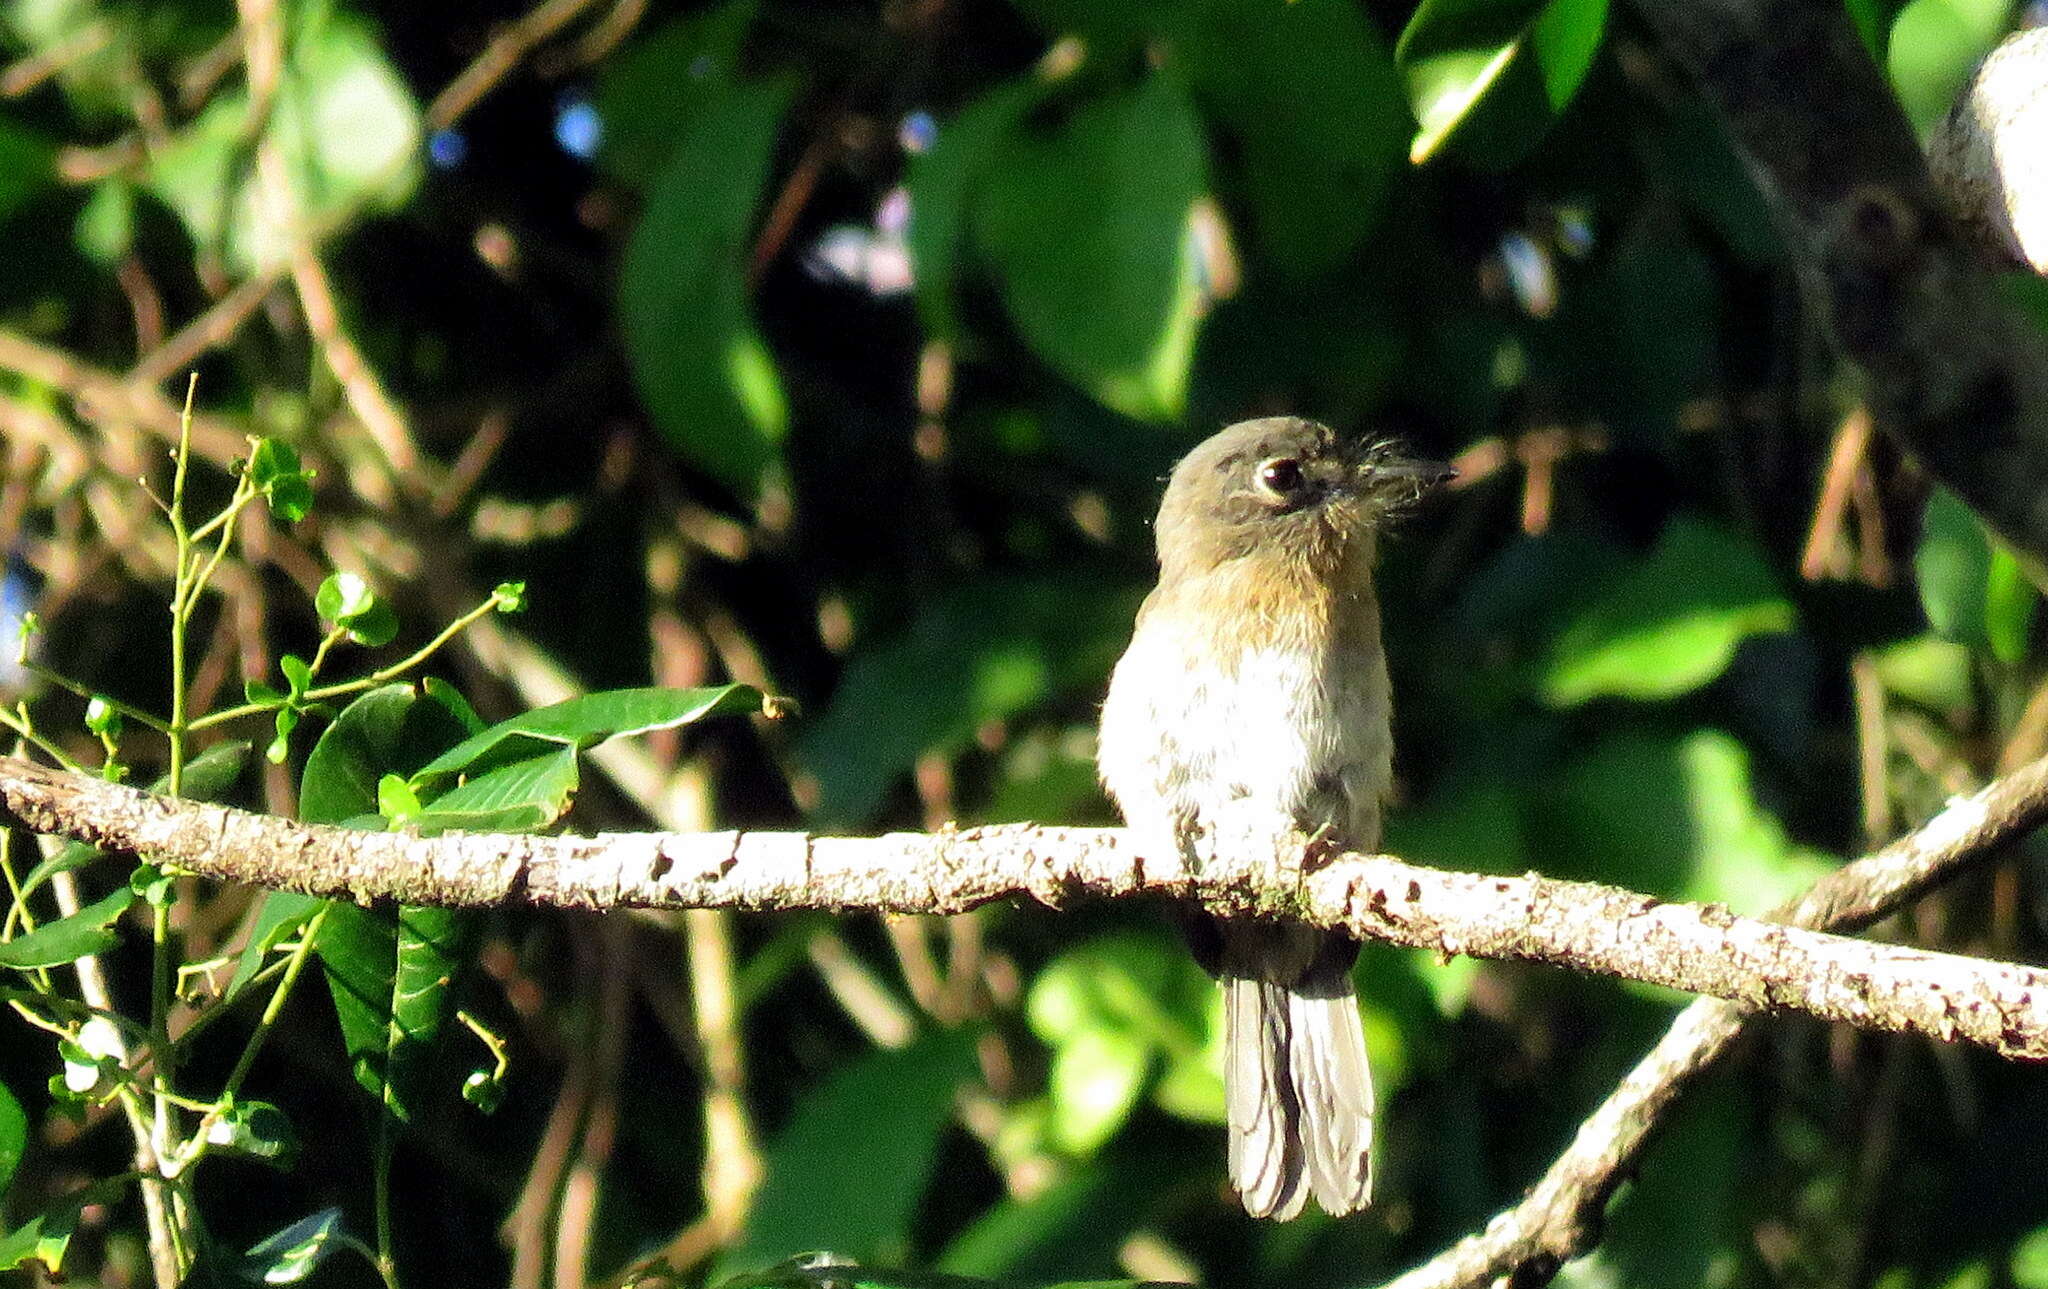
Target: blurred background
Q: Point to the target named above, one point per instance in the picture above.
(840, 347)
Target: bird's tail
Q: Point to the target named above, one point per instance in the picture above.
(1299, 1093)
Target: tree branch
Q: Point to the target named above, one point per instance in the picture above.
(1560, 1217)
(1956, 373)
(1696, 948)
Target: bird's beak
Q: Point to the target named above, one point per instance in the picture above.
(1399, 480)
(1424, 475)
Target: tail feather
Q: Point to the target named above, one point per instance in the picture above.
(1299, 1095)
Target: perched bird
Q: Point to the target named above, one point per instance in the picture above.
(1250, 710)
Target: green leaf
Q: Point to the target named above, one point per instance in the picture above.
(347, 601)
(152, 885)
(1688, 1212)
(2030, 1260)
(280, 916)
(1522, 59)
(515, 796)
(699, 363)
(13, 1135)
(1095, 1081)
(295, 1252)
(509, 597)
(390, 730)
(286, 485)
(256, 1130)
(2010, 598)
(943, 184)
(1934, 46)
(1675, 817)
(207, 777)
(655, 89)
(1309, 91)
(582, 722)
(1086, 222)
(105, 231)
(982, 652)
(343, 126)
(84, 933)
(1973, 589)
(1107, 1008)
(391, 973)
(46, 1237)
(26, 165)
(1671, 623)
(819, 1192)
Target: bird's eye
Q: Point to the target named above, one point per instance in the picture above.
(1280, 478)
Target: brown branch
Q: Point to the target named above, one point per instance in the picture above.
(1700, 949)
(508, 47)
(1560, 1217)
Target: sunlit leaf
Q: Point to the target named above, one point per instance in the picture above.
(345, 130)
(256, 1130)
(46, 1237)
(1086, 223)
(1521, 59)
(279, 916)
(84, 933)
(293, 1253)
(696, 357)
(1309, 91)
(585, 720)
(390, 971)
(1670, 624)
(1934, 46)
(512, 796)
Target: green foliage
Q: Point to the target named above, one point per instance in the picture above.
(343, 128)
(1495, 71)
(295, 1252)
(1971, 586)
(699, 362)
(990, 650)
(1309, 93)
(817, 1191)
(86, 932)
(13, 1135)
(1671, 623)
(1084, 221)
(843, 350)
(1933, 46)
(1109, 1009)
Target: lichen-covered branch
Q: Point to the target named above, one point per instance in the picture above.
(1699, 949)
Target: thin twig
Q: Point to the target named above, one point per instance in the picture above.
(506, 50)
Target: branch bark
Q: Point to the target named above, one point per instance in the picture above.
(1701, 949)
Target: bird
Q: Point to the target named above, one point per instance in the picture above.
(1252, 709)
